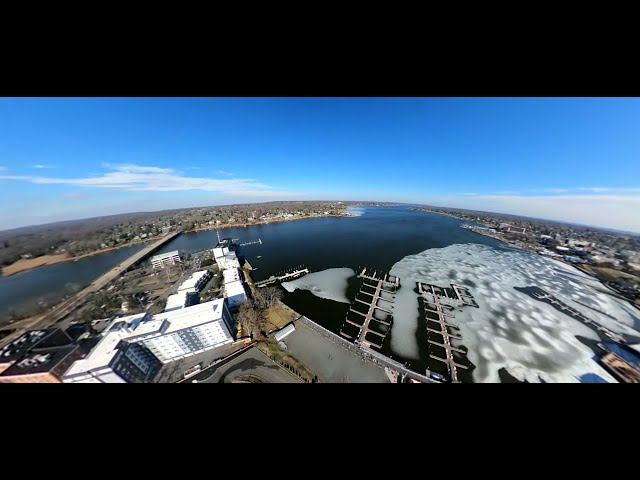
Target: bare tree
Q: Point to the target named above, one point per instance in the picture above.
(270, 295)
(250, 318)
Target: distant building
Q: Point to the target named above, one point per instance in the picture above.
(630, 255)
(508, 228)
(578, 243)
(134, 348)
(164, 259)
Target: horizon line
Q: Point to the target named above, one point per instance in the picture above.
(80, 219)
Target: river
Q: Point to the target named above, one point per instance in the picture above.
(510, 333)
(49, 280)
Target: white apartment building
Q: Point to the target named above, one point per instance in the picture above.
(169, 258)
(134, 348)
(196, 282)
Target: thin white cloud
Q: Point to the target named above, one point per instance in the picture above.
(157, 179)
(224, 173)
(549, 190)
(130, 168)
(41, 167)
(506, 192)
(608, 189)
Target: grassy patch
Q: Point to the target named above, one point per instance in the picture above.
(278, 316)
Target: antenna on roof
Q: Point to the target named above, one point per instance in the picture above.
(218, 233)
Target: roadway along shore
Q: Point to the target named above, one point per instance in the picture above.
(50, 318)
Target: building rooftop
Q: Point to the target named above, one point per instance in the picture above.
(190, 283)
(224, 243)
(234, 288)
(176, 301)
(44, 338)
(231, 275)
(40, 360)
(192, 316)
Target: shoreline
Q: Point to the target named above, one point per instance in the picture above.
(23, 265)
(589, 273)
(52, 260)
(261, 222)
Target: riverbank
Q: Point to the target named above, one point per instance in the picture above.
(261, 222)
(28, 264)
(31, 263)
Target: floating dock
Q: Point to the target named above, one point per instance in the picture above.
(294, 273)
(367, 335)
(253, 242)
(432, 296)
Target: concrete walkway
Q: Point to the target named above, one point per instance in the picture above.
(330, 361)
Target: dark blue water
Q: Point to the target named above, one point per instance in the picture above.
(377, 239)
(30, 285)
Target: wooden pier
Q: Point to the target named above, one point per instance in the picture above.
(254, 242)
(380, 284)
(297, 272)
(432, 295)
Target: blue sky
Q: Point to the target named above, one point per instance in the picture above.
(571, 159)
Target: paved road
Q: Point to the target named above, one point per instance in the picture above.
(251, 363)
(63, 309)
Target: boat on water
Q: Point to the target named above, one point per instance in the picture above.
(259, 256)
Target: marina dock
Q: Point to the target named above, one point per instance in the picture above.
(367, 335)
(432, 296)
(295, 273)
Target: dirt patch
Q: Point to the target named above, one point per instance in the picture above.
(278, 316)
(27, 264)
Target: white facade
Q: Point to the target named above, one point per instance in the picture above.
(196, 281)
(168, 336)
(96, 367)
(169, 258)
